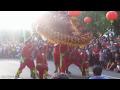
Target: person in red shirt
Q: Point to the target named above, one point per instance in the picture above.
(50, 46)
(26, 58)
(96, 54)
(73, 58)
(56, 56)
(85, 63)
(41, 62)
(63, 57)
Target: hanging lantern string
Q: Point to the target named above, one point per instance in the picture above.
(111, 21)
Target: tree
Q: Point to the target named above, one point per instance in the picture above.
(99, 22)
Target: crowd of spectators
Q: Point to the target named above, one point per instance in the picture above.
(105, 51)
(10, 49)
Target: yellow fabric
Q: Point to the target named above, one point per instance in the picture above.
(87, 70)
(18, 73)
(61, 59)
(32, 70)
(45, 74)
(39, 64)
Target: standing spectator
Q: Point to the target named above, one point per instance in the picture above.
(0, 51)
(9, 50)
(13, 48)
(107, 44)
(113, 49)
(108, 55)
(96, 54)
(91, 59)
(18, 49)
(101, 58)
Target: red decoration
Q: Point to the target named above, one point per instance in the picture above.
(83, 27)
(112, 15)
(74, 13)
(87, 20)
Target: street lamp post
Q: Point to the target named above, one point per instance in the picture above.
(24, 34)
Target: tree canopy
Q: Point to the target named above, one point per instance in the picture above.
(99, 22)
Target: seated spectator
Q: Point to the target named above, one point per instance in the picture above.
(97, 71)
(111, 65)
(117, 69)
(60, 76)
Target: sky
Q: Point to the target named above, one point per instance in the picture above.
(16, 20)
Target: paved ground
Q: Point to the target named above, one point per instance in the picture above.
(8, 69)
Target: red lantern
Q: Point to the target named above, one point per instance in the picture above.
(112, 15)
(87, 20)
(74, 13)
